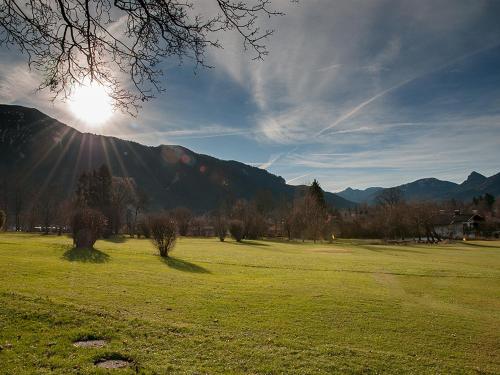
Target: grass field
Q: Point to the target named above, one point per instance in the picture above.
(253, 308)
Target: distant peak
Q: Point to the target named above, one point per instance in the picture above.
(475, 174)
(475, 177)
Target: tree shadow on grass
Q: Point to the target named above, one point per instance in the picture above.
(183, 265)
(116, 239)
(252, 243)
(480, 245)
(391, 248)
(85, 255)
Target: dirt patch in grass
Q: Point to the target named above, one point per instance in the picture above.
(113, 361)
(90, 343)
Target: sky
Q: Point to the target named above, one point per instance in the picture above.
(352, 93)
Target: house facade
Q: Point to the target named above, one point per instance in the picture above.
(458, 225)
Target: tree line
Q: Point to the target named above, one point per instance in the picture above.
(104, 205)
(392, 217)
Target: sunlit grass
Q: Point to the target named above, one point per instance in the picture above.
(256, 307)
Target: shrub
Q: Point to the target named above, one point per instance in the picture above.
(3, 218)
(88, 225)
(163, 233)
(236, 228)
(255, 226)
(220, 227)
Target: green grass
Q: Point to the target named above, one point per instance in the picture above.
(260, 307)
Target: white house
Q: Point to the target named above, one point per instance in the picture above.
(457, 225)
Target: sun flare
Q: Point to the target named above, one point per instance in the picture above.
(92, 104)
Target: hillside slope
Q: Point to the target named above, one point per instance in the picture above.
(42, 153)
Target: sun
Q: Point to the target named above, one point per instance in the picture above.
(91, 103)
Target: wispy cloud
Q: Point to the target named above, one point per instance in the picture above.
(270, 162)
(210, 131)
(298, 178)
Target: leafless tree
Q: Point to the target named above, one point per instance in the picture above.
(182, 217)
(143, 227)
(32, 214)
(3, 218)
(296, 222)
(63, 215)
(254, 223)
(4, 197)
(140, 203)
(19, 203)
(198, 226)
(163, 233)
(314, 216)
(390, 197)
(220, 224)
(122, 193)
(74, 41)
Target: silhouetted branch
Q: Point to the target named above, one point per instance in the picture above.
(76, 41)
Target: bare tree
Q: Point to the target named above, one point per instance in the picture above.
(143, 227)
(32, 213)
(74, 41)
(254, 223)
(3, 218)
(198, 226)
(63, 215)
(4, 197)
(308, 217)
(296, 221)
(48, 204)
(315, 217)
(220, 225)
(163, 233)
(182, 217)
(19, 203)
(140, 203)
(390, 197)
(122, 193)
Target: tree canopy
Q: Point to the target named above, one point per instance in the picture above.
(317, 193)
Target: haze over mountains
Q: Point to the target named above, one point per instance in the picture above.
(433, 189)
(42, 153)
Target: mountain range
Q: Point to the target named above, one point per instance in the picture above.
(42, 153)
(432, 189)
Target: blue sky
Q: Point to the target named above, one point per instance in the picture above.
(353, 93)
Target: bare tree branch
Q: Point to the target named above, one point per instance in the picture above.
(105, 41)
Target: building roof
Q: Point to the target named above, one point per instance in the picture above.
(466, 218)
(443, 219)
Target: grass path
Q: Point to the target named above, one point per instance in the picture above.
(261, 307)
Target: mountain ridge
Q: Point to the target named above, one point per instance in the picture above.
(432, 189)
(39, 151)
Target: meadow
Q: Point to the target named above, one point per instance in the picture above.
(257, 307)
